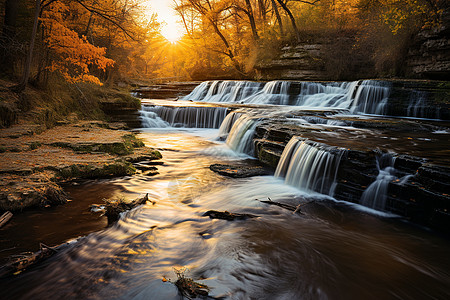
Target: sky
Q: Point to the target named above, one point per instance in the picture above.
(171, 29)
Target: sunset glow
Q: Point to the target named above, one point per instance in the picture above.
(170, 27)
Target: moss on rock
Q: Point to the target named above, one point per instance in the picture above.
(118, 168)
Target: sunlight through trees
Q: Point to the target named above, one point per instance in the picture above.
(106, 40)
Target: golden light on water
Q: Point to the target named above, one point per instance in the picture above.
(171, 29)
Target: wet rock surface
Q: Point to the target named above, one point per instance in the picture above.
(419, 190)
(247, 168)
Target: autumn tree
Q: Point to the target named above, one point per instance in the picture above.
(72, 55)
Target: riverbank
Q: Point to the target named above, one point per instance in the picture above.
(49, 136)
(34, 164)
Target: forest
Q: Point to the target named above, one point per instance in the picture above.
(100, 41)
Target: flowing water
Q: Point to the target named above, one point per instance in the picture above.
(361, 97)
(331, 251)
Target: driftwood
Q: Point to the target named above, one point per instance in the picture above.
(188, 287)
(113, 207)
(225, 215)
(5, 218)
(294, 209)
(22, 262)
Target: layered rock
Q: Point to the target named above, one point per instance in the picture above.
(165, 90)
(418, 190)
(429, 55)
(302, 62)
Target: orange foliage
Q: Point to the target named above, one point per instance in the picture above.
(74, 55)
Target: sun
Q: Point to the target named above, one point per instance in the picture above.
(171, 28)
(171, 32)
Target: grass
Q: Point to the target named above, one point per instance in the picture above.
(46, 105)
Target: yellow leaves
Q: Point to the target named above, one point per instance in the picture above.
(400, 14)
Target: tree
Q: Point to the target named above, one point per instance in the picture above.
(73, 56)
(26, 72)
(277, 14)
(291, 17)
(8, 39)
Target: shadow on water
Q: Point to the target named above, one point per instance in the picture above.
(55, 225)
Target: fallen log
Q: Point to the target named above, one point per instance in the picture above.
(113, 207)
(294, 209)
(22, 262)
(225, 215)
(5, 218)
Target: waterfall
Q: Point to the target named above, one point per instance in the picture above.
(315, 94)
(371, 97)
(150, 119)
(240, 138)
(376, 193)
(228, 123)
(418, 107)
(312, 94)
(192, 117)
(224, 91)
(274, 92)
(199, 92)
(309, 166)
(367, 96)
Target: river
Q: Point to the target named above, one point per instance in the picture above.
(334, 250)
(331, 250)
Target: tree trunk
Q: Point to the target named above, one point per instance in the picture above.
(8, 35)
(26, 71)
(294, 25)
(277, 14)
(262, 11)
(88, 27)
(252, 20)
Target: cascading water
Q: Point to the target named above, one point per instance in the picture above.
(240, 138)
(224, 91)
(371, 97)
(376, 193)
(192, 117)
(274, 92)
(314, 94)
(367, 96)
(150, 119)
(418, 108)
(309, 166)
(228, 123)
(199, 91)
